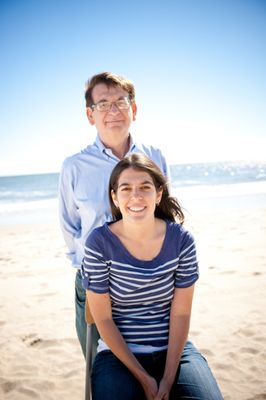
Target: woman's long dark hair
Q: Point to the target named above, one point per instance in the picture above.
(169, 208)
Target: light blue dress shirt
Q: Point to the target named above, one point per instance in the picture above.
(83, 192)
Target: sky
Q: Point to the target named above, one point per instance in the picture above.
(198, 67)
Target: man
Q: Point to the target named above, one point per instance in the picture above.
(83, 187)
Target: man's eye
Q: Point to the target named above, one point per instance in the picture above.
(121, 103)
(103, 104)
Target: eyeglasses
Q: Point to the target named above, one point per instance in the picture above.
(104, 106)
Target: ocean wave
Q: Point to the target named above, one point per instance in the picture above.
(33, 205)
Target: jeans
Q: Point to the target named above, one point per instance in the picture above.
(81, 325)
(111, 380)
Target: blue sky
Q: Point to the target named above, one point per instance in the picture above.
(198, 68)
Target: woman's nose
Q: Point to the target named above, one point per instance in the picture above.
(136, 193)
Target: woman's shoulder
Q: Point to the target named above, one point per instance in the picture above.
(175, 226)
(180, 230)
(97, 235)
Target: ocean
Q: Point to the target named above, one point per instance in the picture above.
(33, 198)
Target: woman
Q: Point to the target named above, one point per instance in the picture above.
(139, 272)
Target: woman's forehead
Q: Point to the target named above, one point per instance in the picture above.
(131, 175)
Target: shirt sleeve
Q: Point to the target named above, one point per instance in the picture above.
(167, 173)
(187, 272)
(69, 218)
(94, 268)
(164, 166)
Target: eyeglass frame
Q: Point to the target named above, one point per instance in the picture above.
(94, 105)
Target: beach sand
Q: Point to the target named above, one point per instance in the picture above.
(40, 355)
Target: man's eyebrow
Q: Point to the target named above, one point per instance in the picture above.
(102, 100)
(109, 101)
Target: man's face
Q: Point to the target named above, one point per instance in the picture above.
(115, 121)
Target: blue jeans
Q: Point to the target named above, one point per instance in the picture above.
(81, 325)
(111, 380)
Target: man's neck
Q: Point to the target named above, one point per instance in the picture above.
(119, 148)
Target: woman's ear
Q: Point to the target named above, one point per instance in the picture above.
(159, 195)
(114, 198)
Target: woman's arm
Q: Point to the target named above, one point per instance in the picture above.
(178, 332)
(100, 306)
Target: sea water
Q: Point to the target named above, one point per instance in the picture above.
(29, 198)
(220, 185)
(33, 198)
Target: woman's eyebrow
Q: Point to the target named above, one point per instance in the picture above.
(123, 184)
(141, 183)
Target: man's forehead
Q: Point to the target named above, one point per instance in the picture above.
(103, 92)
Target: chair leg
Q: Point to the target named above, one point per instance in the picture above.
(88, 363)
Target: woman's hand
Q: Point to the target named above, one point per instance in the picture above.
(150, 387)
(164, 390)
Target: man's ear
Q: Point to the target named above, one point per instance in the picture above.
(89, 113)
(134, 110)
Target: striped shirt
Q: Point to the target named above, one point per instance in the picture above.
(140, 291)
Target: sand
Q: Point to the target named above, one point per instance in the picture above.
(40, 355)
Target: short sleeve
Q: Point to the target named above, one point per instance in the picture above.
(94, 268)
(187, 272)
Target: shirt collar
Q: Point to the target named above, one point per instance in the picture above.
(107, 151)
(99, 144)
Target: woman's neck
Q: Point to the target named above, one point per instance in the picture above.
(143, 241)
(140, 231)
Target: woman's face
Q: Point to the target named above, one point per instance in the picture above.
(136, 195)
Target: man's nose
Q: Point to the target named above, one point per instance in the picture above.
(114, 108)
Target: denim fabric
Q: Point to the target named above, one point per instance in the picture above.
(81, 325)
(111, 380)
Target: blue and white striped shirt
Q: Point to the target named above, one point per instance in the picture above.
(141, 291)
